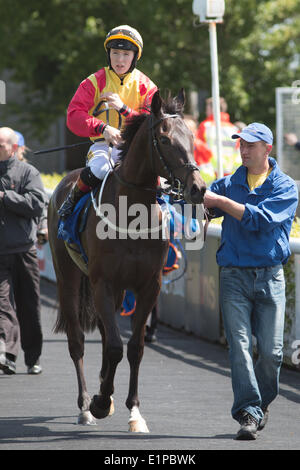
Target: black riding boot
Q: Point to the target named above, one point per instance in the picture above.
(85, 183)
(70, 202)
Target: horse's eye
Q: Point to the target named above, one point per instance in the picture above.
(164, 140)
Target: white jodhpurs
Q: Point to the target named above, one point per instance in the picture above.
(99, 161)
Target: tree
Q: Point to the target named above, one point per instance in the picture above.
(51, 46)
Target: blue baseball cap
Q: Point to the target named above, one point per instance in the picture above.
(255, 132)
(21, 141)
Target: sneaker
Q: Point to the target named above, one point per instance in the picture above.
(2, 360)
(34, 370)
(150, 336)
(264, 419)
(8, 367)
(249, 427)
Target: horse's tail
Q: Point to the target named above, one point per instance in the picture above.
(87, 310)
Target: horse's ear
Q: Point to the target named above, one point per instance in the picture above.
(156, 103)
(181, 98)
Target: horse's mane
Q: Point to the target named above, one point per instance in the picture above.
(169, 106)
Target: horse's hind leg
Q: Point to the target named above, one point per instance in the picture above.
(69, 301)
(69, 297)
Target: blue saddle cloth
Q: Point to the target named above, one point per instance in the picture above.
(69, 229)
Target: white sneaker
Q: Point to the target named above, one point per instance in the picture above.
(2, 360)
(35, 370)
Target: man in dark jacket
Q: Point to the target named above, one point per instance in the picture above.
(22, 199)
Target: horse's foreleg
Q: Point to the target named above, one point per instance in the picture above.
(135, 350)
(105, 362)
(102, 404)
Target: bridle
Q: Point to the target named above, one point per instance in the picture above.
(175, 188)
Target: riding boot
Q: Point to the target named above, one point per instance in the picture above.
(70, 202)
(85, 183)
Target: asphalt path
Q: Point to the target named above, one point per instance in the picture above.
(185, 393)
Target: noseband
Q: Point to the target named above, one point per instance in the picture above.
(176, 188)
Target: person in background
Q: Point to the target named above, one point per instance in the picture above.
(240, 125)
(22, 149)
(258, 203)
(42, 225)
(22, 201)
(292, 140)
(202, 153)
(206, 132)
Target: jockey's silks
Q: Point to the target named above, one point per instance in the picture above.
(135, 90)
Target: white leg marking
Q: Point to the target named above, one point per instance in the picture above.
(136, 421)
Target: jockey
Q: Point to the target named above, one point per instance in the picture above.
(123, 88)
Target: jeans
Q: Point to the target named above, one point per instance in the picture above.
(253, 303)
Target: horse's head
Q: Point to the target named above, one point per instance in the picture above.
(173, 148)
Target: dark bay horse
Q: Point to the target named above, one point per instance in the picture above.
(154, 144)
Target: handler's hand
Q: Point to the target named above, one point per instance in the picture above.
(113, 100)
(112, 135)
(211, 199)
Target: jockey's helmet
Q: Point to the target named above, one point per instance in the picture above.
(127, 38)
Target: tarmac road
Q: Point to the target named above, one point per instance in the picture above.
(185, 393)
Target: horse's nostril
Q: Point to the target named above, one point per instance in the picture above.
(194, 189)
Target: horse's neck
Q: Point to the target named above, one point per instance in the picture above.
(137, 166)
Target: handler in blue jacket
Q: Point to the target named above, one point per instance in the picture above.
(258, 203)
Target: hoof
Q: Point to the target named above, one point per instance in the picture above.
(138, 426)
(136, 421)
(98, 412)
(86, 419)
(112, 407)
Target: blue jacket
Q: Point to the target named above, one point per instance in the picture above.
(261, 238)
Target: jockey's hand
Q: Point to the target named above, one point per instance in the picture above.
(112, 135)
(113, 100)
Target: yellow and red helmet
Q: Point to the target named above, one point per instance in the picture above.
(124, 37)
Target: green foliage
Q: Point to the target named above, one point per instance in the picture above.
(52, 45)
(51, 180)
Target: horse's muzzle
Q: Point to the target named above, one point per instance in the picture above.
(194, 194)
